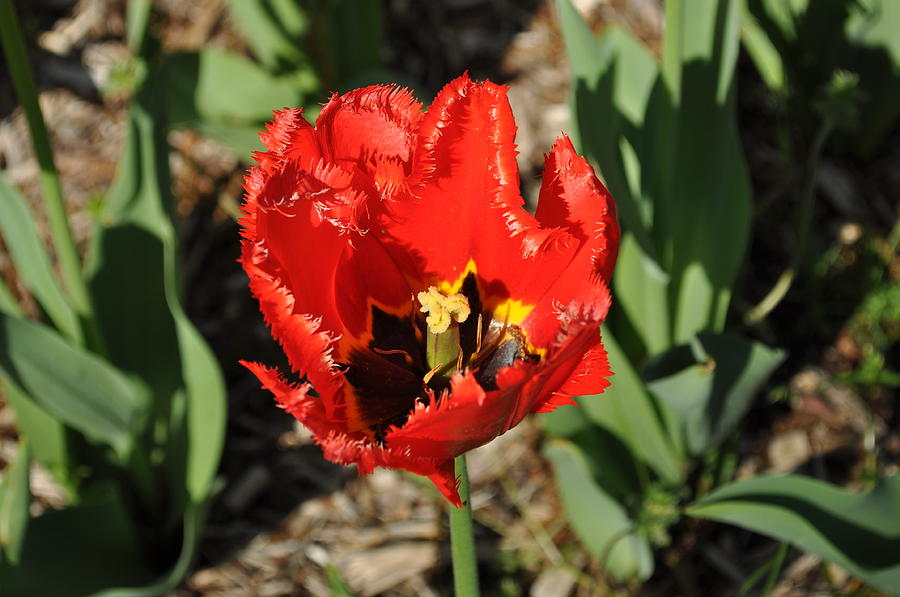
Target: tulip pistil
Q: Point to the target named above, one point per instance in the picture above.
(445, 313)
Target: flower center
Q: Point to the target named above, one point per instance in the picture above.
(442, 347)
(411, 358)
(442, 309)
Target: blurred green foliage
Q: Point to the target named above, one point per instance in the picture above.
(117, 394)
(800, 45)
(664, 136)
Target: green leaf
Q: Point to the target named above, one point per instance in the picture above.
(709, 385)
(15, 497)
(614, 77)
(641, 289)
(48, 436)
(763, 52)
(201, 88)
(336, 584)
(82, 549)
(860, 532)
(8, 303)
(32, 263)
(336, 22)
(206, 409)
(627, 411)
(615, 104)
(193, 525)
(134, 269)
(74, 385)
(600, 522)
(274, 30)
(704, 203)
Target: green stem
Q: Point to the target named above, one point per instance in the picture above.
(64, 244)
(462, 540)
(786, 279)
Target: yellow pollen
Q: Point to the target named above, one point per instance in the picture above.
(442, 309)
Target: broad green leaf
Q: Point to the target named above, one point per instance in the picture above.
(15, 497)
(74, 385)
(860, 532)
(710, 385)
(201, 87)
(81, 549)
(32, 263)
(130, 257)
(627, 411)
(600, 522)
(704, 204)
(48, 436)
(134, 263)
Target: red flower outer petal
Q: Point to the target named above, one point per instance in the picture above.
(467, 204)
(572, 197)
(378, 120)
(349, 448)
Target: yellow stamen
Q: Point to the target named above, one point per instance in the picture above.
(443, 309)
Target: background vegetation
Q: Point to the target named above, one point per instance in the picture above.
(748, 445)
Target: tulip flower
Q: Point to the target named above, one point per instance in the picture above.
(422, 309)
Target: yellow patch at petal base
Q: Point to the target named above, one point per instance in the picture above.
(513, 311)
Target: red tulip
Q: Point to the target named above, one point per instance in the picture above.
(425, 309)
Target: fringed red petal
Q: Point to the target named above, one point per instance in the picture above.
(352, 218)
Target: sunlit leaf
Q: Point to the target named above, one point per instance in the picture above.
(15, 498)
(48, 436)
(600, 522)
(626, 410)
(710, 385)
(32, 263)
(860, 532)
(704, 214)
(274, 30)
(87, 393)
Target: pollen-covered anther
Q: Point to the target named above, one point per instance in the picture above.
(443, 309)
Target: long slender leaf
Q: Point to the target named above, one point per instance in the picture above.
(600, 522)
(32, 263)
(19, 70)
(627, 411)
(15, 497)
(615, 103)
(860, 532)
(206, 409)
(8, 303)
(704, 215)
(164, 347)
(86, 393)
(48, 436)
